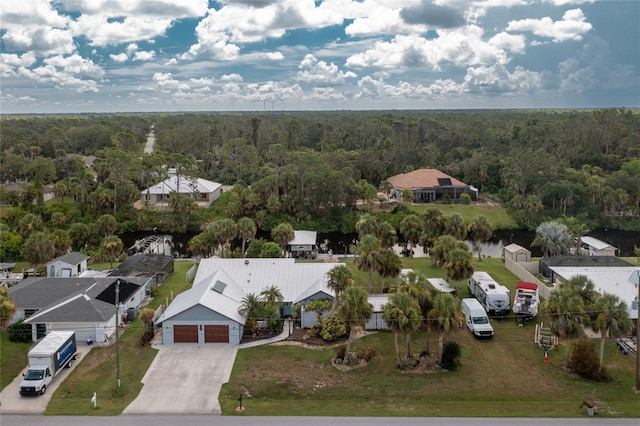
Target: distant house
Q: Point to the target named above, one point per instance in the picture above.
(594, 247)
(19, 189)
(203, 191)
(516, 253)
(69, 265)
(84, 305)
(303, 244)
(430, 185)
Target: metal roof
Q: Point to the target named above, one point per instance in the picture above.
(596, 243)
(378, 301)
(441, 285)
(304, 238)
(618, 280)
(183, 185)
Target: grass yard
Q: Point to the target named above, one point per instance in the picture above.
(504, 377)
(497, 215)
(97, 371)
(13, 358)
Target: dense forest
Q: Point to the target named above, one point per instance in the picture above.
(310, 168)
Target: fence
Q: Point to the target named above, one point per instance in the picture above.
(191, 274)
(521, 270)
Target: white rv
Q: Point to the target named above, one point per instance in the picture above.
(526, 301)
(476, 319)
(494, 298)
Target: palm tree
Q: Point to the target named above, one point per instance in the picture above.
(146, 316)
(419, 288)
(577, 229)
(389, 265)
(246, 230)
(553, 238)
(566, 308)
(38, 249)
(612, 320)
(385, 187)
(282, 234)
(402, 315)
(433, 227)
(367, 224)
(227, 231)
(459, 266)
(447, 315)
(251, 308)
(441, 249)
(272, 296)
(354, 310)
(106, 225)
(411, 229)
(480, 230)
(367, 260)
(338, 279)
(454, 225)
(112, 247)
(387, 234)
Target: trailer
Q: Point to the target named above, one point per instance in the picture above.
(628, 345)
(494, 298)
(526, 301)
(54, 352)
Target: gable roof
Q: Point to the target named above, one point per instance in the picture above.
(514, 248)
(73, 258)
(80, 298)
(183, 185)
(424, 178)
(217, 292)
(596, 243)
(255, 275)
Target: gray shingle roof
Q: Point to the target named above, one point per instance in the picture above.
(72, 258)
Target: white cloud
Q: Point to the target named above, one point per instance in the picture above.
(573, 26)
(165, 81)
(566, 2)
(144, 55)
(274, 56)
(321, 73)
(67, 72)
(120, 57)
(497, 79)
(10, 63)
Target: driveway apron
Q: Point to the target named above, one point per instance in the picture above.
(185, 378)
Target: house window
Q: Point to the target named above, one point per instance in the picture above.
(52, 271)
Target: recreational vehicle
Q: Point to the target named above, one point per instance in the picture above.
(494, 298)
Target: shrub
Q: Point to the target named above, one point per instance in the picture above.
(465, 198)
(451, 355)
(146, 338)
(19, 332)
(584, 361)
(332, 328)
(367, 353)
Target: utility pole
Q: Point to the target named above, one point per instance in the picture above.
(117, 330)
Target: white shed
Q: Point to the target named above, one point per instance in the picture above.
(516, 253)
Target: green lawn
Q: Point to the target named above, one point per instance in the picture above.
(497, 215)
(13, 358)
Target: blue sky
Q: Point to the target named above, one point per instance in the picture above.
(251, 55)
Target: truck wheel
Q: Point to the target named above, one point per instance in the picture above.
(43, 390)
(69, 364)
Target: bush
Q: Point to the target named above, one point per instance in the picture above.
(332, 328)
(451, 355)
(19, 332)
(146, 338)
(367, 353)
(584, 361)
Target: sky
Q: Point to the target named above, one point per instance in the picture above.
(93, 56)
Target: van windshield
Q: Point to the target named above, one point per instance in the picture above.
(34, 375)
(480, 320)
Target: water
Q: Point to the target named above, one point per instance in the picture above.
(339, 243)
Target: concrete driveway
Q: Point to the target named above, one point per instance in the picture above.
(185, 378)
(12, 403)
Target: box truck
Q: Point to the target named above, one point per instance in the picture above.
(476, 319)
(54, 352)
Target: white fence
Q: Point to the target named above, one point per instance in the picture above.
(522, 271)
(191, 274)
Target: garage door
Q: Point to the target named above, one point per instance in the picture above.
(216, 334)
(185, 334)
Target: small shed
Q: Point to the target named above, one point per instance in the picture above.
(303, 244)
(516, 253)
(441, 285)
(66, 266)
(595, 247)
(376, 322)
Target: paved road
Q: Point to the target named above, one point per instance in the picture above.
(208, 420)
(151, 139)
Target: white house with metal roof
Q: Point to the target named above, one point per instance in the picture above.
(208, 312)
(203, 191)
(303, 244)
(595, 247)
(619, 280)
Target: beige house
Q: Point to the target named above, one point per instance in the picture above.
(429, 185)
(203, 191)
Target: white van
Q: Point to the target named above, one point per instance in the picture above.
(476, 319)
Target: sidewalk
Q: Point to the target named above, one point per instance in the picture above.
(282, 336)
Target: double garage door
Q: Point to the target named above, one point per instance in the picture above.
(212, 334)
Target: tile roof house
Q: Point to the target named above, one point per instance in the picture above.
(203, 191)
(208, 312)
(430, 185)
(84, 305)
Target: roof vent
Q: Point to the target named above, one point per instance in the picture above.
(246, 261)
